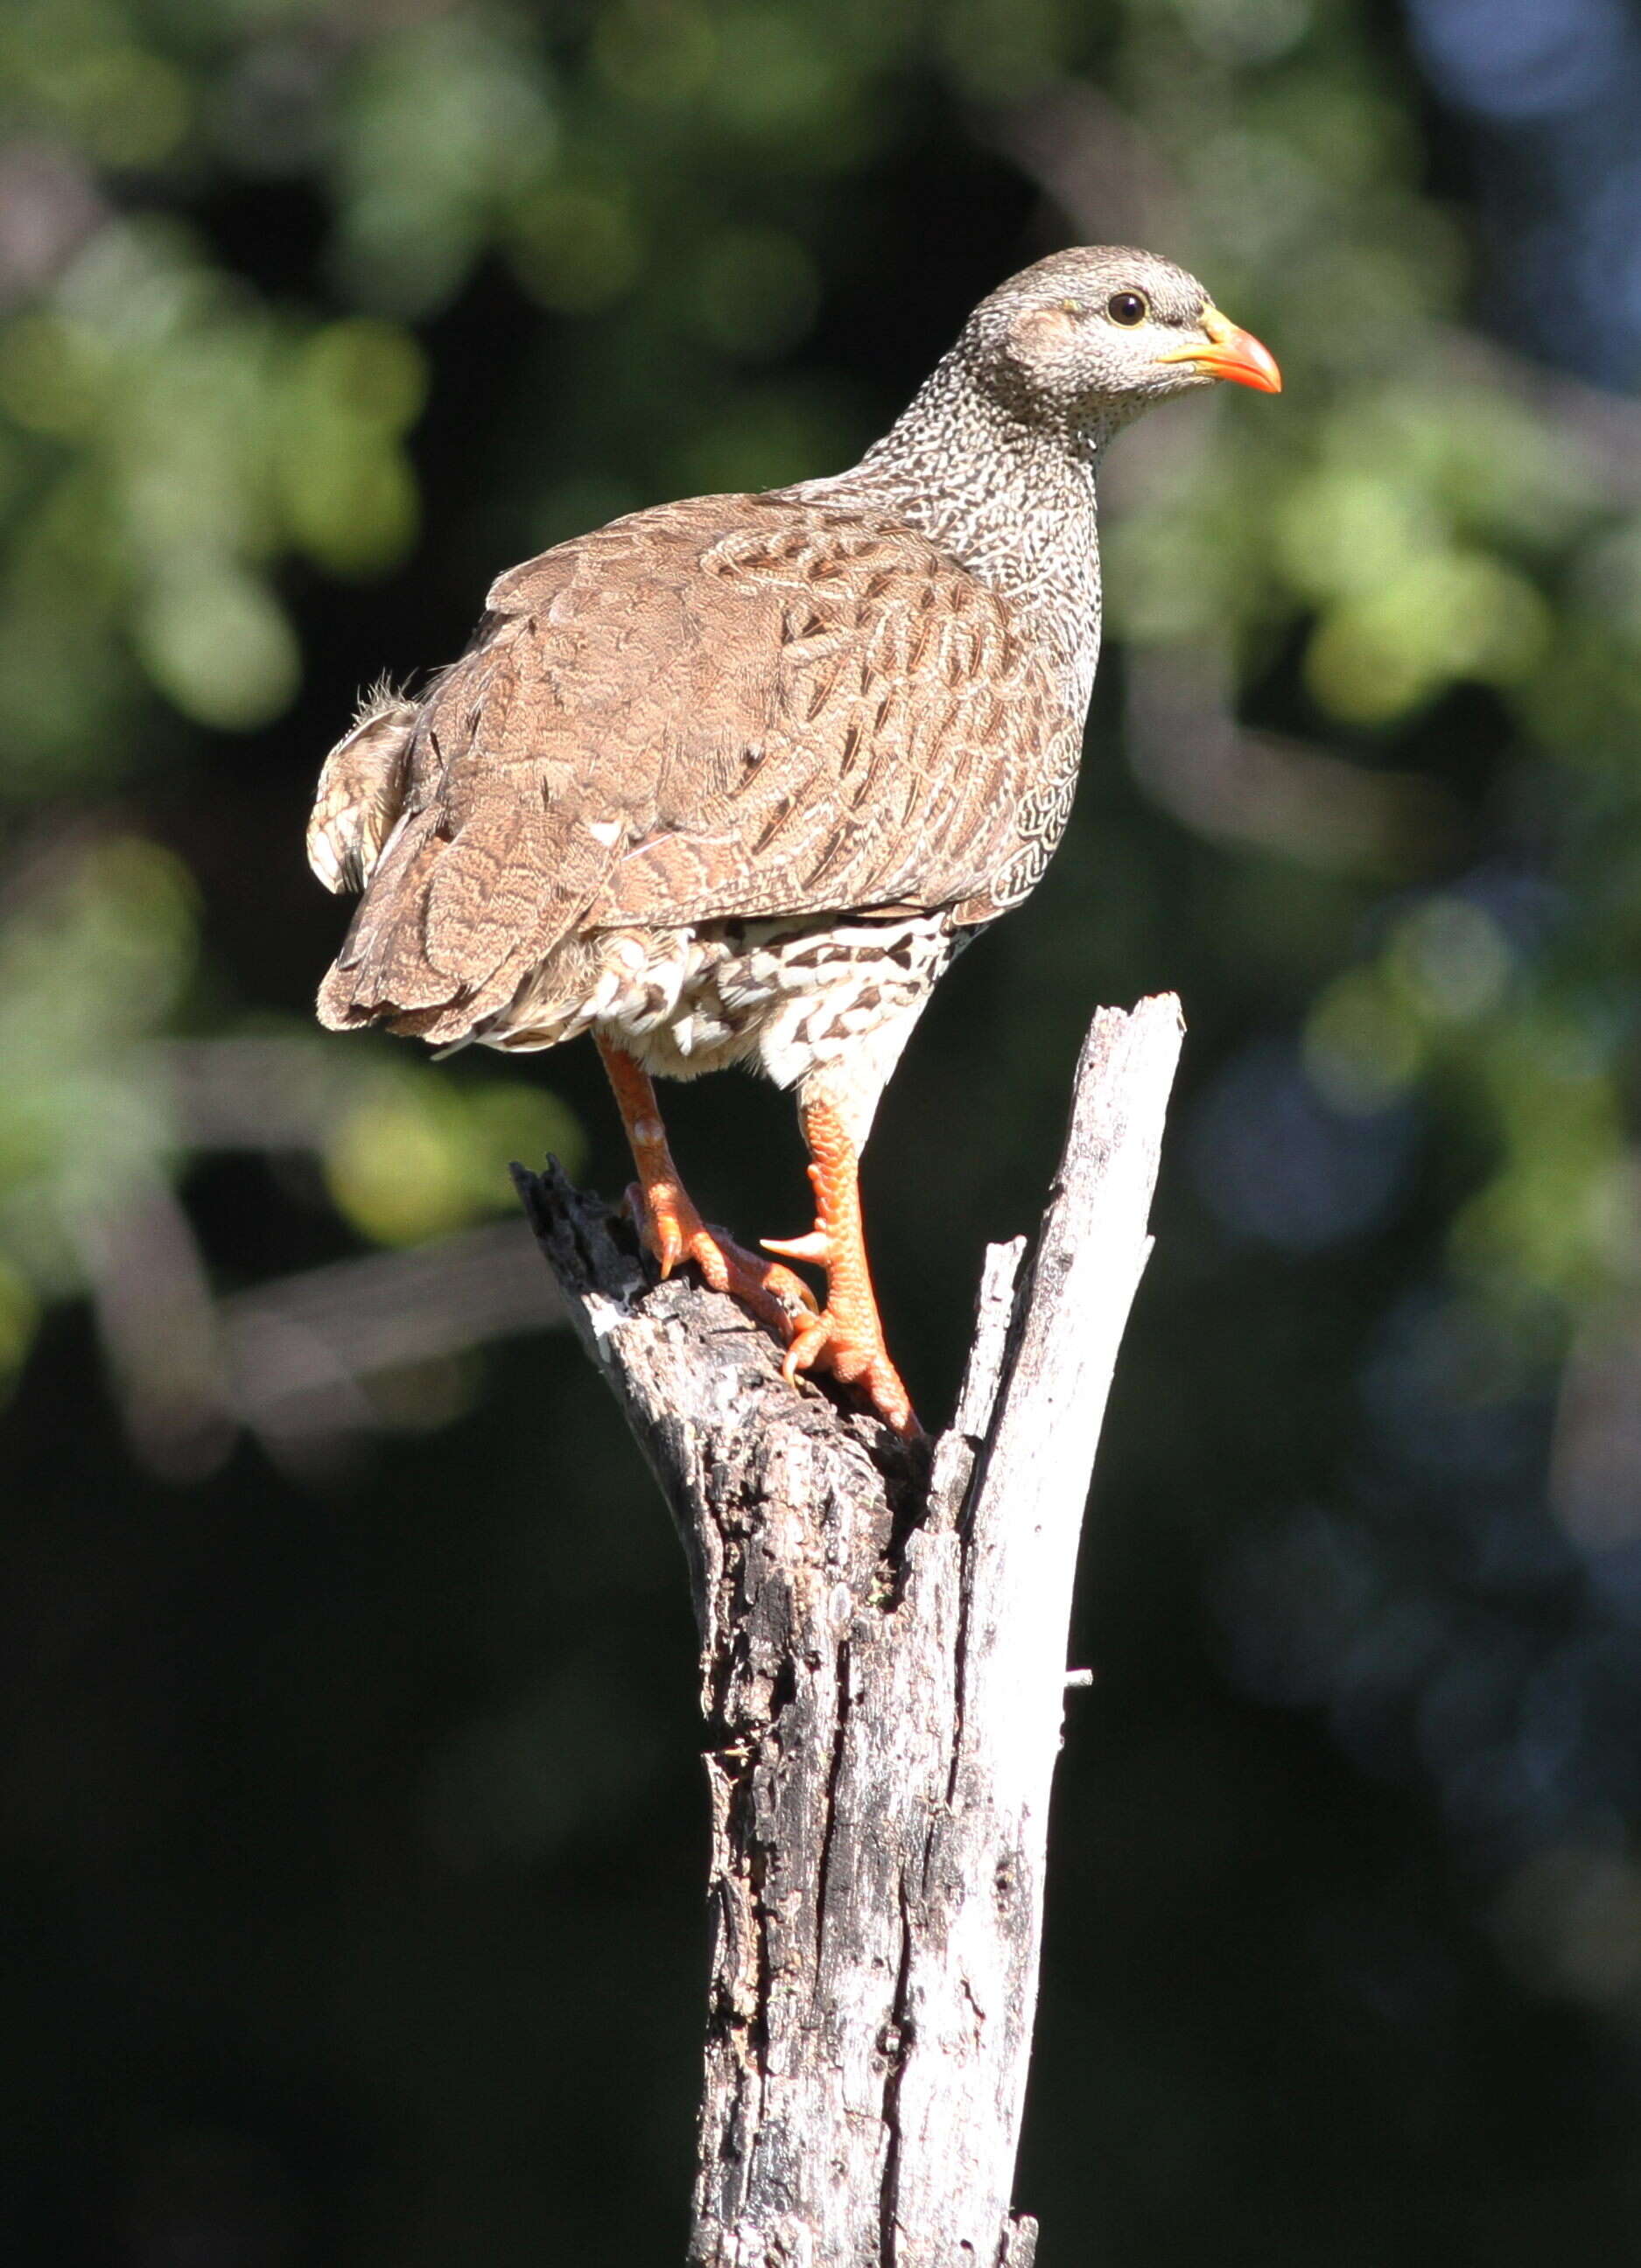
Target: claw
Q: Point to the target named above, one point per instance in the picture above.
(659, 1230)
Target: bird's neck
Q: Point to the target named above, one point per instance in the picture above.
(1014, 500)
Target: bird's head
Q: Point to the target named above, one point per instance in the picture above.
(1087, 339)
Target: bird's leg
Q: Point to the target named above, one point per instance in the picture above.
(673, 1230)
(847, 1337)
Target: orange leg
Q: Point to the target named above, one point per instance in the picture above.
(848, 1339)
(673, 1230)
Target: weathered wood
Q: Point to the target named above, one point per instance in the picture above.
(882, 1655)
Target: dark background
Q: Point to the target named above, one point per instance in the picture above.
(352, 1821)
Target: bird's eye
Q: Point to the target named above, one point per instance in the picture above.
(1127, 308)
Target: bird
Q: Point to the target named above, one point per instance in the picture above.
(730, 780)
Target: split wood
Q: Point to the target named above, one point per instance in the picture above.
(883, 1676)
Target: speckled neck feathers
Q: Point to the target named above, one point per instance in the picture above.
(1010, 495)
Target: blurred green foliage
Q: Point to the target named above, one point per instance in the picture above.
(181, 432)
(310, 318)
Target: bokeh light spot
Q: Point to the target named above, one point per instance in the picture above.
(218, 645)
(576, 250)
(1362, 1050)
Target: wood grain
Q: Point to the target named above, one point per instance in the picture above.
(883, 1672)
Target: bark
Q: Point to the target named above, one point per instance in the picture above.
(884, 1638)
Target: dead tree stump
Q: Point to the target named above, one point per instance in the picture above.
(882, 1671)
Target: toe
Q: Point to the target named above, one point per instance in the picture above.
(816, 1247)
(865, 1365)
(807, 1348)
(780, 1299)
(889, 1397)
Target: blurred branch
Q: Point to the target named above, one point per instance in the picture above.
(1596, 1460)
(1606, 426)
(158, 1329)
(293, 1361)
(1224, 781)
(1093, 161)
(300, 1353)
(257, 1093)
(300, 1361)
(882, 1652)
(49, 203)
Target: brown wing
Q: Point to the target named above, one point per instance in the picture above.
(738, 706)
(488, 862)
(878, 736)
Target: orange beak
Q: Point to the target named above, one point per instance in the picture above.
(1230, 353)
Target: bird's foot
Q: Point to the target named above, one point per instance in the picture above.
(854, 1352)
(847, 1337)
(672, 1231)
